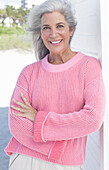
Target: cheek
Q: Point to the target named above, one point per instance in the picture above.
(45, 40)
(67, 38)
(65, 34)
(43, 36)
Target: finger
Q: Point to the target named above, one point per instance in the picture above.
(24, 116)
(20, 115)
(18, 109)
(25, 100)
(19, 103)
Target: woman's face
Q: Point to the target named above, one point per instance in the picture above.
(55, 32)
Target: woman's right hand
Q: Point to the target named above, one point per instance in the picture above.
(25, 108)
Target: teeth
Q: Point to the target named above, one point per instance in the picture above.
(55, 42)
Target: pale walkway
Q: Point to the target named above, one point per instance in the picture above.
(11, 64)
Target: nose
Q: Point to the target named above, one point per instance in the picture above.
(53, 33)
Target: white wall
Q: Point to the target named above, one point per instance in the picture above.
(87, 35)
(87, 39)
(105, 67)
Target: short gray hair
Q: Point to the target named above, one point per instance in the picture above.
(34, 22)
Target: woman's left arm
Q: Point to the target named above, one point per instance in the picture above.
(56, 127)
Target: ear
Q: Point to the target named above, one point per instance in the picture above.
(71, 31)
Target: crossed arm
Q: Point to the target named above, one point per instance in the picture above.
(25, 108)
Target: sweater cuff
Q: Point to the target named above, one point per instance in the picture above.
(39, 125)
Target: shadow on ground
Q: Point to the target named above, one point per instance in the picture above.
(4, 137)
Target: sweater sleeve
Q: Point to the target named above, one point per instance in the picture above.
(22, 128)
(57, 127)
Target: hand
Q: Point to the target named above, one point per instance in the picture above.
(25, 108)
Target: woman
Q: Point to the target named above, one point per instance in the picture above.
(58, 100)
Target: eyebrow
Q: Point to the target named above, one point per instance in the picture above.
(45, 25)
(60, 23)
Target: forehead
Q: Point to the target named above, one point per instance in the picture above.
(52, 18)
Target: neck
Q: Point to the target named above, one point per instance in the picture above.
(60, 58)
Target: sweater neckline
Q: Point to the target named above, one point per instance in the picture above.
(60, 67)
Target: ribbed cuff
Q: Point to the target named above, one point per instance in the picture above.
(38, 126)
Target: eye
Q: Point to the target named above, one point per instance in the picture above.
(46, 28)
(60, 26)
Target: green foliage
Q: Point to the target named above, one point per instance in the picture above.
(10, 10)
(14, 37)
(11, 30)
(15, 42)
(2, 12)
(16, 14)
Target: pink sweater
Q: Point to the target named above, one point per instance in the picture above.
(69, 99)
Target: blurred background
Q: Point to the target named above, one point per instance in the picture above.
(15, 44)
(15, 53)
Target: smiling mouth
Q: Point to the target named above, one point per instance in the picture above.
(55, 42)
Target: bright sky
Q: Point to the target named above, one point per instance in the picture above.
(17, 3)
(35, 1)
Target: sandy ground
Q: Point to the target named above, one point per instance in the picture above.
(11, 64)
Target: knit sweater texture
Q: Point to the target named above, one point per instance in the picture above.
(70, 101)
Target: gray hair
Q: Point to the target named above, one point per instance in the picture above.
(34, 22)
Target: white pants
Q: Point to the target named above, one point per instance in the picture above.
(22, 162)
